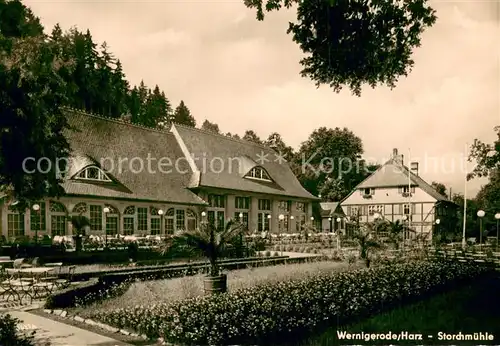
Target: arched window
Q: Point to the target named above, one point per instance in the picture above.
(15, 223)
(155, 221)
(129, 220)
(112, 220)
(191, 220)
(93, 173)
(169, 221)
(58, 218)
(80, 208)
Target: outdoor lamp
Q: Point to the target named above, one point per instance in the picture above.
(292, 217)
(339, 219)
(269, 216)
(497, 216)
(36, 208)
(480, 214)
(241, 215)
(203, 214)
(281, 217)
(312, 218)
(438, 222)
(106, 210)
(329, 219)
(160, 212)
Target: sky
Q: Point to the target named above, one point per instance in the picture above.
(243, 74)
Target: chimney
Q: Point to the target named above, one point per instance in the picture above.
(414, 168)
(396, 157)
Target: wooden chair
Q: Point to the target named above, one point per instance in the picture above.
(64, 283)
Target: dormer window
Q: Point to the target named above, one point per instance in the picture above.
(367, 192)
(93, 173)
(258, 173)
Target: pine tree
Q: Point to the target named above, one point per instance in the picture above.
(182, 115)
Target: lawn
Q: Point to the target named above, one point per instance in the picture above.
(474, 308)
(170, 290)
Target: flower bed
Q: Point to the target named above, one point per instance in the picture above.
(277, 311)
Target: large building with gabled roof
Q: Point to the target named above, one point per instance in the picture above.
(133, 180)
(396, 192)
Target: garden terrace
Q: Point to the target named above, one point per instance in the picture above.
(286, 309)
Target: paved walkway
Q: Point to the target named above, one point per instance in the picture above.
(60, 334)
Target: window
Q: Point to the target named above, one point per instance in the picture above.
(301, 221)
(283, 224)
(37, 218)
(242, 202)
(93, 173)
(406, 209)
(406, 189)
(130, 210)
(95, 218)
(80, 208)
(58, 220)
(216, 201)
(301, 207)
(142, 219)
(128, 225)
(284, 206)
(264, 204)
(180, 220)
(216, 218)
(263, 222)
(372, 209)
(243, 219)
(15, 225)
(191, 220)
(368, 191)
(111, 224)
(354, 211)
(169, 221)
(258, 173)
(58, 224)
(155, 221)
(155, 226)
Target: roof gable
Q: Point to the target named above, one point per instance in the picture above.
(223, 162)
(392, 174)
(147, 164)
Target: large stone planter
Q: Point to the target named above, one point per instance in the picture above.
(215, 284)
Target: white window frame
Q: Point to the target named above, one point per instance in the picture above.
(101, 176)
(259, 173)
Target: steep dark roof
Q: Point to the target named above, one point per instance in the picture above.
(100, 140)
(232, 158)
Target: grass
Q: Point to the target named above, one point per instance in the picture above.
(474, 308)
(170, 290)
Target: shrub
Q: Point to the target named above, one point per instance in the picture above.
(286, 309)
(268, 253)
(9, 335)
(276, 253)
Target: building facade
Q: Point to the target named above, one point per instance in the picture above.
(396, 192)
(333, 218)
(133, 180)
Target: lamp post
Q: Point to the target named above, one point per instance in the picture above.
(338, 232)
(405, 218)
(497, 217)
(480, 215)
(36, 208)
(281, 217)
(106, 210)
(330, 223)
(437, 222)
(241, 233)
(161, 213)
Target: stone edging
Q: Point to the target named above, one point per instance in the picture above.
(108, 328)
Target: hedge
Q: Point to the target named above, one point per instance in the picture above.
(10, 336)
(285, 310)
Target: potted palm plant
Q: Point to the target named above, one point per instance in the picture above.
(366, 238)
(212, 243)
(79, 222)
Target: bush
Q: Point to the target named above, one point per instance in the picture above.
(9, 335)
(284, 310)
